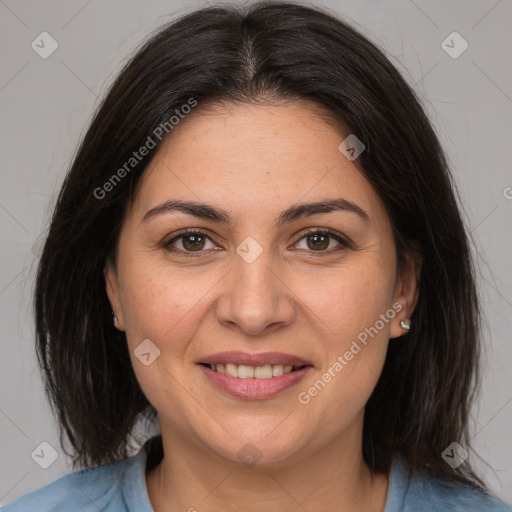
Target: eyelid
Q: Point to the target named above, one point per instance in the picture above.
(189, 231)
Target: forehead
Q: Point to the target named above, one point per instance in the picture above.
(255, 158)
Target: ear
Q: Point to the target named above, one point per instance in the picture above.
(406, 292)
(112, 287)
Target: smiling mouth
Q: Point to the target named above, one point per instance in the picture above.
(243, 371)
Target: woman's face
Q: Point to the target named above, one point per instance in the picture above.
(251, 281)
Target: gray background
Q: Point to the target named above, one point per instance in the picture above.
(46, 104)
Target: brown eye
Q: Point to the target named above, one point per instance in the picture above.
(322, 241)
(318, 241)
(195, 241)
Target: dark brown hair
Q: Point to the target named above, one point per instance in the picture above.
(243, 54)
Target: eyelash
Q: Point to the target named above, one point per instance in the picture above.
(194, 254)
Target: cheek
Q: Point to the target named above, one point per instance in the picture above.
(348, 301)
(354, 314)
(158, 303)
(163, 308)
(166, 307)
(362, 326)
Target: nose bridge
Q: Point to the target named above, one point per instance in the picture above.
(255, 298)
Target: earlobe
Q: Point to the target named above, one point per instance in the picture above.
(112, 290)
(406, 294)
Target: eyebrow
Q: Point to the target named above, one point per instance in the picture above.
(207, 212)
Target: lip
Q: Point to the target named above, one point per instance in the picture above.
(254, 389)
(259, 359)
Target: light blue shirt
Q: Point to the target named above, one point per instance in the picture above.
(121, 487)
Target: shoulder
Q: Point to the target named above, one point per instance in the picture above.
(422, 493)
(429, 494)
(90, 490)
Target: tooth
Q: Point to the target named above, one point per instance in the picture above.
(263, 372)
(232, 370)
(245, 372)
(277, 370)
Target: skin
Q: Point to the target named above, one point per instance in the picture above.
(254, 161)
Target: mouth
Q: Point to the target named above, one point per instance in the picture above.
(253, 376)
(242, 371)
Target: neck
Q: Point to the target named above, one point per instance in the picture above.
(332, 478)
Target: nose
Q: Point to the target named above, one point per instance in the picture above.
(255, 298)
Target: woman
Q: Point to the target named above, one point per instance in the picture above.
(258, 243)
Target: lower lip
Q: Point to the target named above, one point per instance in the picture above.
(254, 389)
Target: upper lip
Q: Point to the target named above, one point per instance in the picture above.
(260, 359)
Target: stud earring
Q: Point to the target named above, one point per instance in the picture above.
(405, 324)
(114, 317)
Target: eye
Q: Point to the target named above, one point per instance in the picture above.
(321, 241)
(193, 241)
(190, 241)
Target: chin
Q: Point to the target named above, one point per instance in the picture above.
(259, 450)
